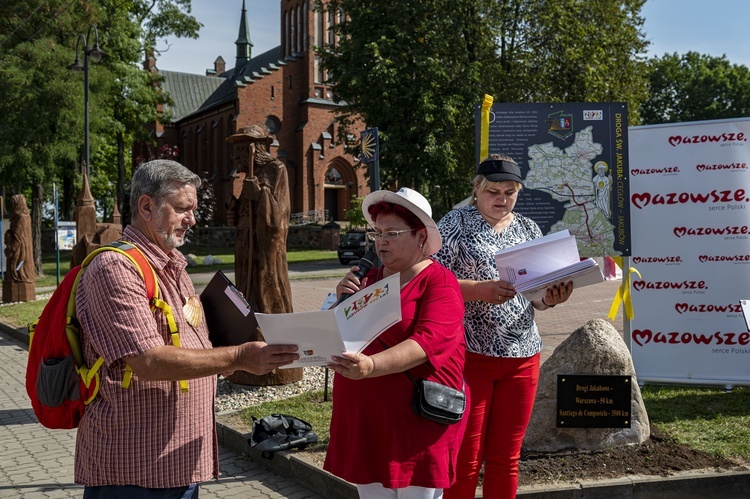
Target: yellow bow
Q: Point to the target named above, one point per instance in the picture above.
(623, 293)
(484, 129)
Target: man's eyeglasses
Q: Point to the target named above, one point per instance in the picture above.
(386, 236)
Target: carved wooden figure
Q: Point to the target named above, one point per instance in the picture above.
(261, 198)
(19, 283)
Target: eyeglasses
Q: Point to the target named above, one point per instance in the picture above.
(386, 236)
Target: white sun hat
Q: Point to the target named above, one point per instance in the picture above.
(415, 203)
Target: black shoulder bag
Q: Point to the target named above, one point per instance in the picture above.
(435, 401)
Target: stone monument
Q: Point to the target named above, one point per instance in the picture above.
(596, 348)
(19, 283)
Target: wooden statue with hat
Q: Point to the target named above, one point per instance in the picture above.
(261, 198)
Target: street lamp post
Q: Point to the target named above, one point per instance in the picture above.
(95, 54)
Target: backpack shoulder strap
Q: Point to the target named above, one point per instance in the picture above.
(135, 255)
(147, 272)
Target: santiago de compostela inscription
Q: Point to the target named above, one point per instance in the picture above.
(593, 401)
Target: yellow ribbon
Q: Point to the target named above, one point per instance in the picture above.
(484, 129)
(622, 297)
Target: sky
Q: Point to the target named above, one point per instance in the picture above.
(716, 28)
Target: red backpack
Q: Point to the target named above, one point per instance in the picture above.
(58, 381)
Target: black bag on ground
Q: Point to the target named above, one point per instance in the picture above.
(437, 402)
(280, 432)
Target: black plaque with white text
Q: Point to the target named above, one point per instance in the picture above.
(593, 401)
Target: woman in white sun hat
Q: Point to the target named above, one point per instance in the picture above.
(377, 441)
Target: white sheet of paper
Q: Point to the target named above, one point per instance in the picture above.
(534, 242)
(329, 301)
(348, 327)
(745, 306)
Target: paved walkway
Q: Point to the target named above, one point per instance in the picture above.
(38, 463)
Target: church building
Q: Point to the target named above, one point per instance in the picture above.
(284, 91)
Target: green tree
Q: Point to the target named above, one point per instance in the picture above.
(693, 87)
(572, 51)
(41, 102)
(132, 97)
(417, 70)
(354, 215)
(413, 69)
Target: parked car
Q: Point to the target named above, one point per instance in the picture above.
(353, 244)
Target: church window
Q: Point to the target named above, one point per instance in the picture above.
(303, 28)
(333, 177)
(320, 28)
(273, 124)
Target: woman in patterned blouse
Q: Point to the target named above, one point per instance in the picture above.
(502, 339)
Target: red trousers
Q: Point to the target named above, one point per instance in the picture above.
(502, 397)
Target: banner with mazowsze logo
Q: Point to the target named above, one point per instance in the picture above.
(690, 222)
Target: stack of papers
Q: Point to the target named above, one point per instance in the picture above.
(535, 265)
(348, 327)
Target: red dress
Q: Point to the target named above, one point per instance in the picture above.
(375, 436)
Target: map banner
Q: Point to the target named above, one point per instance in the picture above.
(574, 161)
(690, 198)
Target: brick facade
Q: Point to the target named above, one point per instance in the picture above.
(283, 90)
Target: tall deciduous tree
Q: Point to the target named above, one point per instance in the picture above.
(41, 134)
(129, 30)
(416, 70)
(572, 51)
(693, 87)
(413, 69)
(39, 101)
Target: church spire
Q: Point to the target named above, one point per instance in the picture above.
(244, 45)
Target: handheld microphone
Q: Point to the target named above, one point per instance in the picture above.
(366, 263)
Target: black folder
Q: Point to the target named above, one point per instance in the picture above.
(229, 317)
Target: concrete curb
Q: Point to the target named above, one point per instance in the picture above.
(688, 485)
(19, 334)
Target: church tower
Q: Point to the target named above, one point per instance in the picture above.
(243, 43)
(325, 177)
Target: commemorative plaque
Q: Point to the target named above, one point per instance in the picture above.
(596, 401)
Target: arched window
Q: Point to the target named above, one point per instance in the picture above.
(294, 31)
(331, 24)
(333, 177)
(298, 22)
(273, 124)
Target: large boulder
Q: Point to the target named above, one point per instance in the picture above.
(593, 349)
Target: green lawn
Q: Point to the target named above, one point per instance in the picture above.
(226, 255)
